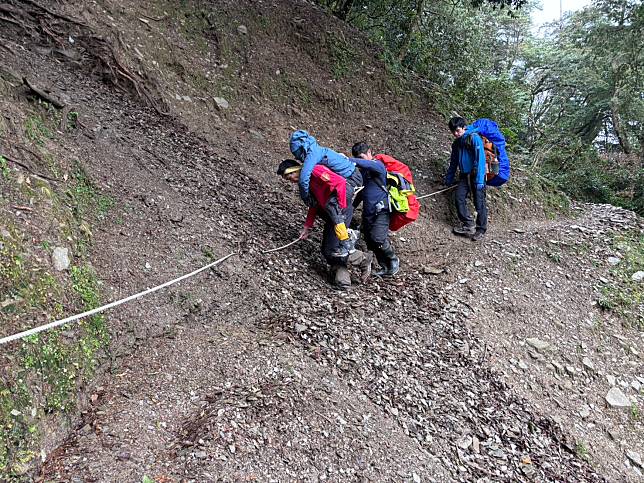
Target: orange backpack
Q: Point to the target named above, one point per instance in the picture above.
(491, 158)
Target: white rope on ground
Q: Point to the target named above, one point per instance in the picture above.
(435, 193)
(282, 247)
(57, 323)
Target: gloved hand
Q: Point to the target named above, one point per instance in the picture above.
(480, 186)
(306, 231)
(341, 231)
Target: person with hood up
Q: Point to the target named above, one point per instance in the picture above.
(329, 198)
(468, 155)
(375, 209)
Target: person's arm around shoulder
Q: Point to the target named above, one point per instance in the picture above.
(373, 166)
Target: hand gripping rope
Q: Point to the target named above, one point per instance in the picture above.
(57, 323)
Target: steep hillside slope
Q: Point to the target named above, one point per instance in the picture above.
(257, 369)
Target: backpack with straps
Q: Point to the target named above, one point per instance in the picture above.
(497, 163)
(403, 205)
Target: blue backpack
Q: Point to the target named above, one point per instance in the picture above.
(498, 163)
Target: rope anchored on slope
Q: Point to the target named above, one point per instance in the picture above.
(73, 318)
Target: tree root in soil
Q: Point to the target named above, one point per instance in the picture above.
(46, 26)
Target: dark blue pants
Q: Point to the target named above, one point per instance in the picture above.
(376, 234)
(467, 184)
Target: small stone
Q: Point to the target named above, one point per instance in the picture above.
(559, 369)
(221, 103)
(614, 260)
(299, 328)
(528, 470)
(522, 365)
(538, 344)
(148, 266)
(476, 445)
(570, 370)
(232, 448)
(588, 364)
(463, 280)
(433, 270)
(611, 380)
(617, 399)
(584, 412)
(242, 29)
(478, 263)
(60, 258)
(200, 454)
(256, 134)
(415, 477)
(15, 413)
(465, 442)
(638, 276)
(635, 458)
(123, 456)
(636, 386)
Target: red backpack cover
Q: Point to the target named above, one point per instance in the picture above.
(398, 220)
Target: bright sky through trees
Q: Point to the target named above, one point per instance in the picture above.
(551, 8)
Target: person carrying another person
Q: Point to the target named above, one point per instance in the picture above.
(329, 198)
(375, 209)
(468, 155)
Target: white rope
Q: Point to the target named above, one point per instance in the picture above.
(282, 247)
(435, 193)
(57, 323)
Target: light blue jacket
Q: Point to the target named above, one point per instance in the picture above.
(307, 150)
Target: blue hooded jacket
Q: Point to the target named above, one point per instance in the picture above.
(307, 150)
(467, 154)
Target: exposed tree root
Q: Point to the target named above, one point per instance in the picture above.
(46, 26)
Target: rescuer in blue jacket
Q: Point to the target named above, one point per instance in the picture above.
(468, 155)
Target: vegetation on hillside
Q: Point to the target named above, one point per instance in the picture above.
(571, 100)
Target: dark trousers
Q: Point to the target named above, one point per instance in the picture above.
(376, 233)
(330, 242)
(467, 184)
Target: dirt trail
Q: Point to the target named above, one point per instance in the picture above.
(259, 370)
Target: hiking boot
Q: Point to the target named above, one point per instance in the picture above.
(463, 230)
(346, 247)
(478, 236)
(365, 267)
(391, 268)
(342, 279)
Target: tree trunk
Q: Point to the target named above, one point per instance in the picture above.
(409, 31)
(620, 132)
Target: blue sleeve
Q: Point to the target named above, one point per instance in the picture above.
(453, 164)
(376, 168)
(305, 175)
(480, 159)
